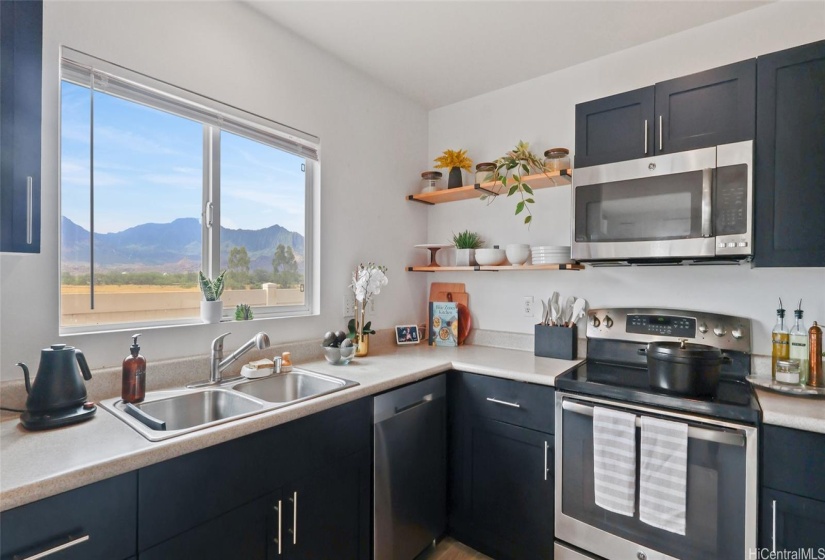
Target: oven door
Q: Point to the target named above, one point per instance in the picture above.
(721, 517)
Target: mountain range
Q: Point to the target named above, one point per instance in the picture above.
(173, 246)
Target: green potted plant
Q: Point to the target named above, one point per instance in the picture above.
(243, 312)
(510, 172)
(211, 306)
(466, 243)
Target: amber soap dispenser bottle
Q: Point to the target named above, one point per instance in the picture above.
(134, 375)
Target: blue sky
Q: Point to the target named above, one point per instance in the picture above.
(148, 168)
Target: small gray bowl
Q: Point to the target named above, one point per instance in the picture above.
(338, 356)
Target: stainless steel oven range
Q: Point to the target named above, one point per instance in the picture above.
(719, 503)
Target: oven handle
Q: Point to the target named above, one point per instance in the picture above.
(706, 434)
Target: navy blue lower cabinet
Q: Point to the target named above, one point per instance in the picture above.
(93, 522)
(792, 523)
(502, 484)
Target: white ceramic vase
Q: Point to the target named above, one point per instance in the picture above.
(465, 257)
(211, 311)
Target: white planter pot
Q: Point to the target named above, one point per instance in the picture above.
(211, 311)
(465, 257)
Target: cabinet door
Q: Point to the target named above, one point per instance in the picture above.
(249, 532)
(615, 128)
(327, 512)
(510, 494)
(790, 158)
(21, 25)
(790, 522)
(95, 521)
(706, 109)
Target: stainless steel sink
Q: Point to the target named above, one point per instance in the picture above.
(166, 414)
(292, 387)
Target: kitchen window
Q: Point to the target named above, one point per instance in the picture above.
(157, 183)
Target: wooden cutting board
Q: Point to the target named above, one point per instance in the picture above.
(437, 288)
(447, 291)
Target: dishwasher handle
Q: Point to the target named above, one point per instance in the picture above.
(404, 399)
(425, 400)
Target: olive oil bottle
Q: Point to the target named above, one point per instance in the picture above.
(780, 339)
(799, 344)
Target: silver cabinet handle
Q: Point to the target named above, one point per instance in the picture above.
(546, 447)
(278, 540)
(294, 530)
(505, 403)
(773, 524)
(660, 133)
(645, 136)
(56, 549)
(29, 209)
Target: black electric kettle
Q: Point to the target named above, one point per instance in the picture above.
(58, 395)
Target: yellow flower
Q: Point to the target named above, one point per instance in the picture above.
(454, 158)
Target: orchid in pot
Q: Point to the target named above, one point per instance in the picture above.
(367, 281)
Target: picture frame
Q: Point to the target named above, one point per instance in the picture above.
(407, 334)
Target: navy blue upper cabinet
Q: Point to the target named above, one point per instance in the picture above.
(704, 109)
(790, 158)
(615, 128)
(21, 25)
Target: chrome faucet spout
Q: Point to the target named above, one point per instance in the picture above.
(259, 341)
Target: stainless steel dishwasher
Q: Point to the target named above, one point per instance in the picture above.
(409, 501)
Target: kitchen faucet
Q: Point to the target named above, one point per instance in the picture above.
(217, 363)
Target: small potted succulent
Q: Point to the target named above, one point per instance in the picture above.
(211, 305)
(466, 244)
(243, 312)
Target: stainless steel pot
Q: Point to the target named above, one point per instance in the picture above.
(684, 368)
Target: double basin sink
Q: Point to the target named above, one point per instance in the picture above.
(166, 414)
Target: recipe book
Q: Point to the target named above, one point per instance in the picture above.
(443, 326)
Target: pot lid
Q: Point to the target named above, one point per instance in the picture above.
(683, 349)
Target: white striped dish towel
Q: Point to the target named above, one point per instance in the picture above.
(614, 460)
(663, 474)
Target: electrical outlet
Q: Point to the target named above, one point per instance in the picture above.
(349, 304)
(527, 306)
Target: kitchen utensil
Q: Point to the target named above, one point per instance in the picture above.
(554, 308)
(545, 313)
(465, 322)
(567, 310)
(58, 395)
(579, 308)
(684, 368)
(490, 257)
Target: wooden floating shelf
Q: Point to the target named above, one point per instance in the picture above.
(538, 181)
(479, 268)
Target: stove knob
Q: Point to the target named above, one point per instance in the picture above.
(737, 333)
(703, 327)
(608, 322)
(595, 321)
(719, 330)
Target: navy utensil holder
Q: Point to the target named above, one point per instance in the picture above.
(556, 342)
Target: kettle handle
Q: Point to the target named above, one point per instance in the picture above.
(26, 376)
(84, 367)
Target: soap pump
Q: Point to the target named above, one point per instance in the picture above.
(134, 375)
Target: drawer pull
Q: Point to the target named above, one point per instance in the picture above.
(54, 550)
(505, 403)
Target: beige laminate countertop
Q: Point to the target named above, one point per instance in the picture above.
(792, 412)
(36, 465)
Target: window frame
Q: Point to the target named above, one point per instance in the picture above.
(214, 117)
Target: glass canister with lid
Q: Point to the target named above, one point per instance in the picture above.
(485, 172)
(556, 159)
(431, 181)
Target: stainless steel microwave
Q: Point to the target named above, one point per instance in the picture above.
(688, 206)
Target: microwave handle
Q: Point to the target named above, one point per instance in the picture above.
(707, 202)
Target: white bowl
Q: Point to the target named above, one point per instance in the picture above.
(490, 257)
(518, 254)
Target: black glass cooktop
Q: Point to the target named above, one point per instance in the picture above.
(734, 398)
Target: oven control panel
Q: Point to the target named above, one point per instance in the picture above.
(650, 324)
(662, 325)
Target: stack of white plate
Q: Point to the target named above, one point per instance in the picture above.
(551, 254)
